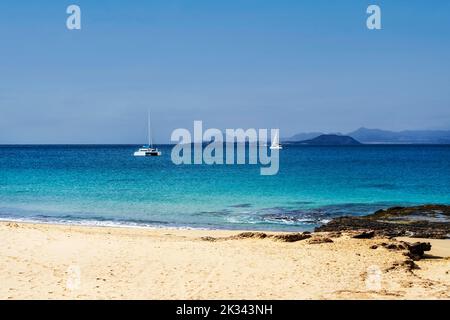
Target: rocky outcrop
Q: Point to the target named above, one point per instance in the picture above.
(320, 240)
(208, 238)
(292, 237)
(284, 237)
(394, 246)
(427, 212)
(412, 252)
(364, 235)
(408, 264)
(428, 221)
(417, 249)
(247, 235)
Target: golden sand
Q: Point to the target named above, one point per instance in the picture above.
(40, 261)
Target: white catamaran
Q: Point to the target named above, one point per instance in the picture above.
(276, 142)
(148, 150)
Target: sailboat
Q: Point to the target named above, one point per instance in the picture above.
(276, 142)
(148, 150)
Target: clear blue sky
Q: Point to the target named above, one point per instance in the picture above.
(295, 65)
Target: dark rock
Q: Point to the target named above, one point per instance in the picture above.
(364, 235)
(291, 237)
(337, 234)
(417, 250)
(374, 246)
(427, 221)
(320, 240)
(287, 237)
(408, 264)
(393, 246)
(426, 211)
(208, 238)
(246, 235)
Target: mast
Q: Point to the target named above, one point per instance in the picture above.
(150, 141)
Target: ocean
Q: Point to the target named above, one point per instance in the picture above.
(106, 185)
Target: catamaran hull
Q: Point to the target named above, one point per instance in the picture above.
(147, 154)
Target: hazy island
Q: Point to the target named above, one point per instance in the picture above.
(329, 140)
(378, 136)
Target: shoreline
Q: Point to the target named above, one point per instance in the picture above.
(100, 225)
(143, 226)
(48, 261)
(110, 224)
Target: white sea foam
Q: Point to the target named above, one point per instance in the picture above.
(96, 223)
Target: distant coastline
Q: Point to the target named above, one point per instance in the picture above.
(361, 135)
(329, 140)
(377, 136)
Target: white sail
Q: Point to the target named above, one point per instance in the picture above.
(276, 141)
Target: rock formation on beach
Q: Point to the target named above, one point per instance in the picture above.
(427, 221)
(284, 237)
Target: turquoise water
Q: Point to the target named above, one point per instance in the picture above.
(107, 185)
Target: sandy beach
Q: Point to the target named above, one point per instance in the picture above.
(39, 261)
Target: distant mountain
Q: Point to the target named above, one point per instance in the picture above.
(329, 140)
(377, 136)
(304, 136)
(408, 137)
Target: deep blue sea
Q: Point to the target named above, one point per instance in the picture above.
(106, 185)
